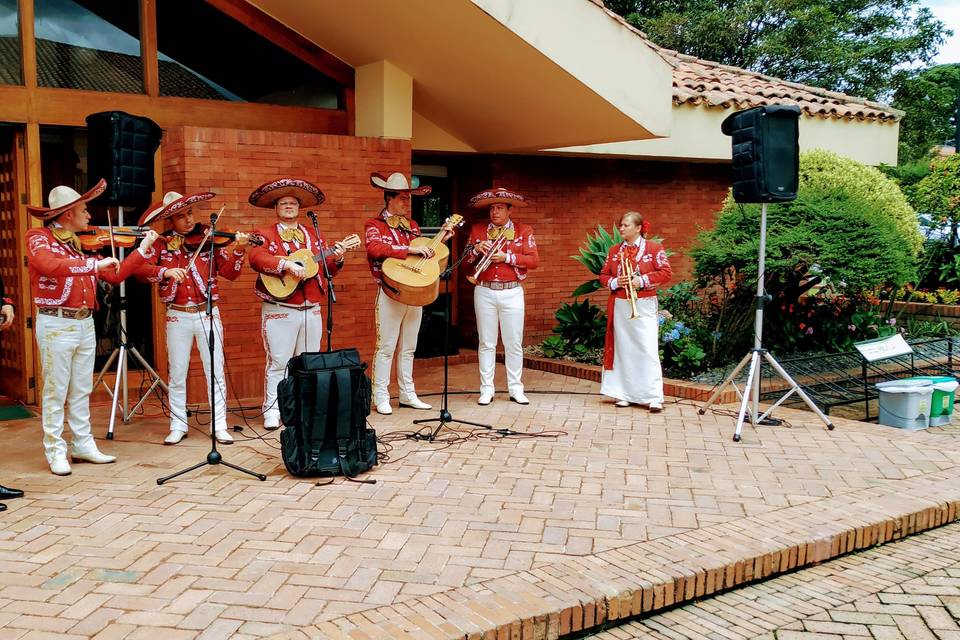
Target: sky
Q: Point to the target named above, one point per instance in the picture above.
(947, 11)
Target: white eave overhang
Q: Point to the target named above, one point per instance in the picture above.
(502, 75)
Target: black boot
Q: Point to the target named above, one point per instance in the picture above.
(3, 507)
(9, 494)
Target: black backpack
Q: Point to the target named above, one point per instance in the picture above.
(324, 403)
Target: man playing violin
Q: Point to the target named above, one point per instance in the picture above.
(293, 324)
(182, 270)
(389, 236)
(64, 282)
(498, 297)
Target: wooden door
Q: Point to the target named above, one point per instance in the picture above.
(17, 378)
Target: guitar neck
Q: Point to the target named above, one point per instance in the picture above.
(323, 254)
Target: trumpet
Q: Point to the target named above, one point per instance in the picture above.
(485, 261)
(626, 270)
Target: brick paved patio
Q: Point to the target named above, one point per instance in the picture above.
(625, 513)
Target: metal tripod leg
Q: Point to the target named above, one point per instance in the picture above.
(157, 380)
(729, 381)
(794, 388)
(121, 355)
(121, 368)
(750, 389)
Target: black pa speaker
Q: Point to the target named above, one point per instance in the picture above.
(120, 149)
(766, 153)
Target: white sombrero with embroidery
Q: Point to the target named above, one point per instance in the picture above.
(173, 203)
(267, 194)
(63, 198)
(397, 183)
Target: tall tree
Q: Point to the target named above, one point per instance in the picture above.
(930, 100)
(855, 46)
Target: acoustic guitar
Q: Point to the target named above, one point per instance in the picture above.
(282, 286)
(415, 280)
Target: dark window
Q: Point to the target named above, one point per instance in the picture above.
(206, 54)
(90, 45)
(10, 69)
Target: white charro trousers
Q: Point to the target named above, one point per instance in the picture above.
(286, 332)
(636, 375)
(395, 322)
(67, 351)
(183, 329)
(500, 312)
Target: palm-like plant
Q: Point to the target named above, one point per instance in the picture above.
(593, 253)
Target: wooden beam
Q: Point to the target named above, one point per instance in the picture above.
(32, 182)
(287, 39)
(148, 47)
(70, 107)
(28, 46)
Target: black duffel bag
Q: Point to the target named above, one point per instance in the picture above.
(324, 403)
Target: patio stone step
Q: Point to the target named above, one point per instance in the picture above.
(595, 591)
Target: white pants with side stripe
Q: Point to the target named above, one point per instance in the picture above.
(500, 312)
(183, 330)
(395, 322)
(67, 351)
(286, 332)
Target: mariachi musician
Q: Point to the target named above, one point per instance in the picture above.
(293, 324)
(63, 281)
(504, 251)
(633, 271)
(389, 236)
(182, 269)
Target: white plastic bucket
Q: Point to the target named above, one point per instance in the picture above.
(905, 404)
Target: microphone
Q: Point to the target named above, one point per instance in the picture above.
(312, 215)
(214, 217)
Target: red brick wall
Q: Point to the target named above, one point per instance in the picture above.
(232, 163)
(570, 196)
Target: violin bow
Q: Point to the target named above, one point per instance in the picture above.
(206, 236)
(113, 248)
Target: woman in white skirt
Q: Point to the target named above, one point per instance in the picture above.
(631, 360)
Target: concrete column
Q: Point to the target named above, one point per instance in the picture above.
(384, 101)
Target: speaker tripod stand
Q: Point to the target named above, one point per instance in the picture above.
(120, 355)
(751, 388)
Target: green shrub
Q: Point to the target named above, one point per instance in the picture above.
(826, 171)
(938, 194)
(918, 328)
(581, 323)
(822, 235)
(839, 241)
(948, 296)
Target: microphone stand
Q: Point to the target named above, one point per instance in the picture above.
(446, 417)
(331, 295)
(214, 457)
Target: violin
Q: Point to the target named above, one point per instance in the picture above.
(198, 236)
(96, 238)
